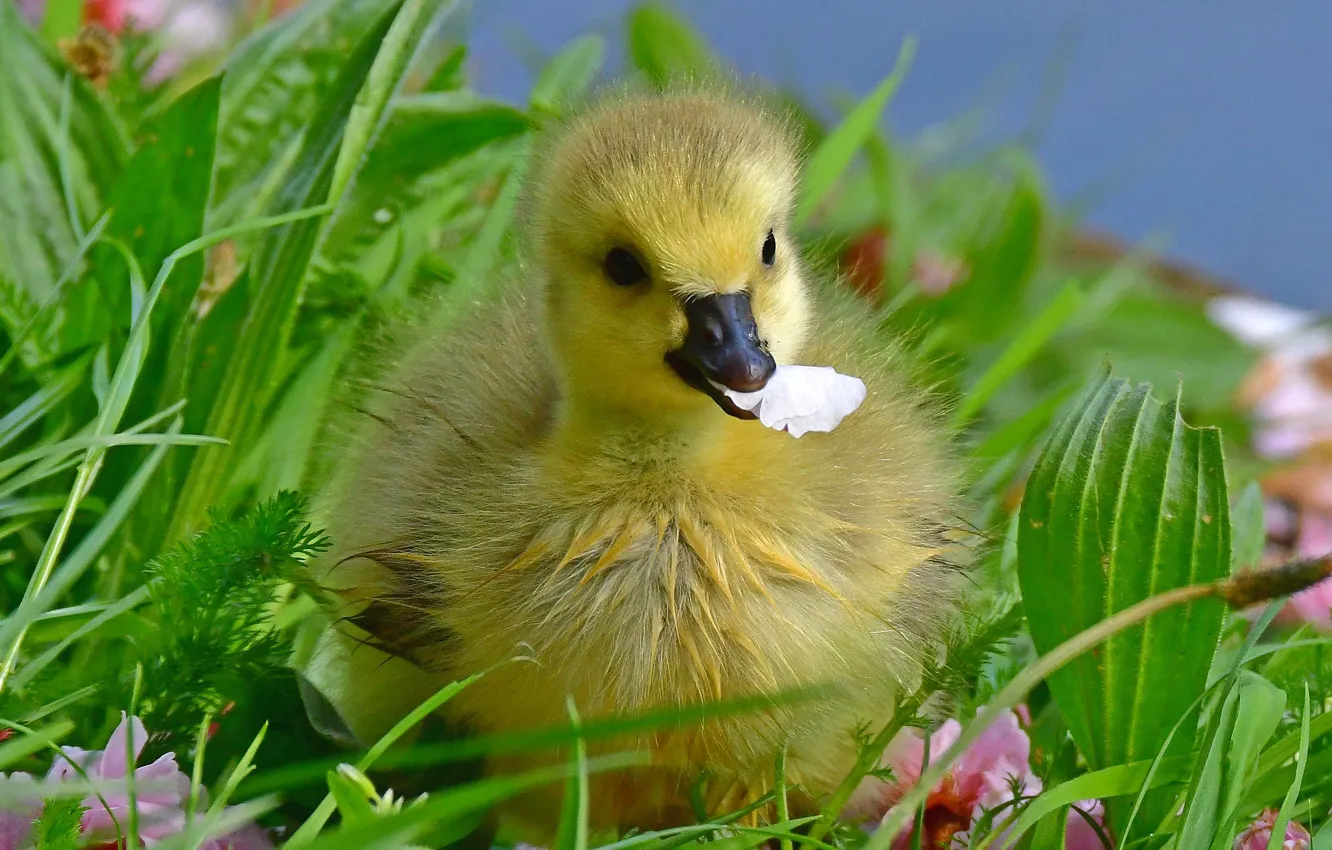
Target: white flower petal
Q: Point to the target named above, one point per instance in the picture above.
(800, 399)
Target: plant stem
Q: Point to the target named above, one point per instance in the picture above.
(865, 762)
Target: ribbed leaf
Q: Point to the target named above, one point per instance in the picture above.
(1125, 501)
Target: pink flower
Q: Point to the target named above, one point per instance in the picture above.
(1079, 834)
(1259, 834)
(160, 791)
(1314, 605)
(187, 30)
(160, 787)
(985, 777)
(20, 804)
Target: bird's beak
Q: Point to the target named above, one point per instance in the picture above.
(722, 350)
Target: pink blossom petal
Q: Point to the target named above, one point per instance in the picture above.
(1080, 835)
(1314, 605)
(62, 766)
(1258, 835)
(160, 790)
(1315, 538)
(1002, 751)
(162, 782)
(20, 804)
(112, 763)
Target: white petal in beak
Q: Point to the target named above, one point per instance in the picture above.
(800, 399)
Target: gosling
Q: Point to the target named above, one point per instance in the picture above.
(562, 476)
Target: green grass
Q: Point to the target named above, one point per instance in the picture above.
(188, 276)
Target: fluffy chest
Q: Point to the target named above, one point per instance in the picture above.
(634, 605)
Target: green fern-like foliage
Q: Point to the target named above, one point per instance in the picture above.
(211, 638)
(58, 827)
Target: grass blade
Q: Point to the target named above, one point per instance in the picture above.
(831, 159)
(1301, 760)
(1025, 346)
(309, 830)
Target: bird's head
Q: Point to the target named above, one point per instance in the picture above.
(661, 226)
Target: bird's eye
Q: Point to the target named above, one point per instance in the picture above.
(769, 249)
(623, 268)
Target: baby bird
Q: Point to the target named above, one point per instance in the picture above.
(561, 476)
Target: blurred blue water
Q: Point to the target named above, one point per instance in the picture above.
(1207, 120)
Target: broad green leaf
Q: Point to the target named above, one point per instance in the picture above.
(158, 205)
(278, 273)
(567, 76)
(1162, 339)
(1004, 261)
(424, 134)
(1125, 501)
(428, 131)
(665, 47)
(831, 159)
(1249, 715)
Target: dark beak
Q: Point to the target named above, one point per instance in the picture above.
(722, 349)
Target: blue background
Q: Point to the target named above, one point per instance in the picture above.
(1206, 121)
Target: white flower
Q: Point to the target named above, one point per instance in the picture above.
(800, 399)
(1257, 322)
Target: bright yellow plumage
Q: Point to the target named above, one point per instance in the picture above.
(539, 481)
